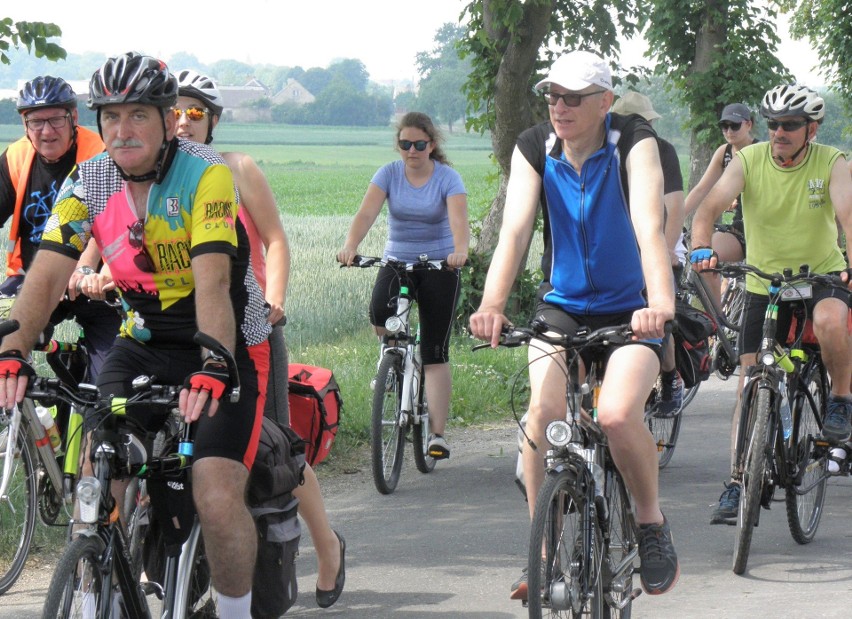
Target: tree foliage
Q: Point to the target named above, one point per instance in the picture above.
(31, 35)
(442, 77)
(714, 52)
(828, 25)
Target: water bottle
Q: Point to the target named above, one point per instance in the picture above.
(786, 414)
(50, 428)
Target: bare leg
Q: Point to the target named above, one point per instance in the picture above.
(547, 403)
(230, 537)
(326, 544)
(439, 385)
(830, 328)
(630, 374)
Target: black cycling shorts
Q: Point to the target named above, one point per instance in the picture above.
(751, 331)
(436, 293)
(566, 323)
(234, 430)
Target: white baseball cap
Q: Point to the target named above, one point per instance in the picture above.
(578, 70)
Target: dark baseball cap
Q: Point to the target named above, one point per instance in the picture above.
(736, 112)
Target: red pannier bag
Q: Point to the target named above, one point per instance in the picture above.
(315, 406)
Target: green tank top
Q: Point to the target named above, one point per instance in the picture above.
(787, 212)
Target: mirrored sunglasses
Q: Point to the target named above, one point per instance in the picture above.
(193, 113)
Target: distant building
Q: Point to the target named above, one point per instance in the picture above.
(293, 92)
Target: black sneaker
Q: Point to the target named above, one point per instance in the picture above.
(659, 568)
(729, 505)
(670, 400)
(837, 426)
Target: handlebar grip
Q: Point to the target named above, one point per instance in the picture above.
(8, 326)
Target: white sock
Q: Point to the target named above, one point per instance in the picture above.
(235, 608)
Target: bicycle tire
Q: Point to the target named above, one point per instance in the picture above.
(689, 394)
(665, 431)
(78, 569)
(754, 472)
(420, 432)
(197, 591)
(386, 431)
(18, 510)
(570, 570)
(804, 508)
(621, 548)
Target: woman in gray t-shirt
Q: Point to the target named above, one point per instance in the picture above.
(427, 214)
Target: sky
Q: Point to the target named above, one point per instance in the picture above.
(385, 35)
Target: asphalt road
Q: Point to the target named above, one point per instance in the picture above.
(449, 544)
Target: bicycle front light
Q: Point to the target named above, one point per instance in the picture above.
(393, 324)
(89, 499)
(558, 433)
(767, 358)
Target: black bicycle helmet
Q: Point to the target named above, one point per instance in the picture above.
(46, 91)
(201, 87)
(133, 78)
(793, 100)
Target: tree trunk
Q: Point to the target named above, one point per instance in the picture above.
(512, 109)
(711, 36)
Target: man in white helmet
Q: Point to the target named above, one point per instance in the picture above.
(792, 189)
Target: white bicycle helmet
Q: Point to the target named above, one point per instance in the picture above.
(793, 100)
(193, 84)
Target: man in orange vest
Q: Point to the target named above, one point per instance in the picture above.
(31, 171)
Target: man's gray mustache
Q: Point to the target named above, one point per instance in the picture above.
(126, 144)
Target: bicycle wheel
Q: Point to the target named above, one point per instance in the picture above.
(564, 567)
(386, 430)
(665, 430)
(621, 549)
(689, 394)
(754, 420)
(78, 583)
(805, 499)
(17, 508)
(200, 600)
(420, 432)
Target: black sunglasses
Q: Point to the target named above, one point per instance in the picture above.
(419, 145)
(570, 99)
(725, 126)
(786, 125)
(136, 238)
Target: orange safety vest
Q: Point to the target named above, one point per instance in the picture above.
(20, 157)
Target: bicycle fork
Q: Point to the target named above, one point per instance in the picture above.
(411, 384)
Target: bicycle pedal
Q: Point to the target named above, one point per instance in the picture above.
(636, 593)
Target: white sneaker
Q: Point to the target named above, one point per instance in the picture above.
(438, 447)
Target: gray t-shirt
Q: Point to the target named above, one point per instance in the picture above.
(418, 221)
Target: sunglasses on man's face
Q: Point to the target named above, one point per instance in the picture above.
(136, 238)
(419, 145)
(726, 126)
(193, 113)
(786, 125)
(570, 99)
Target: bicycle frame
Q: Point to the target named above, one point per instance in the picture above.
(398, 326)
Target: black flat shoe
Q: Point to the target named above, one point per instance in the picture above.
(327, 598)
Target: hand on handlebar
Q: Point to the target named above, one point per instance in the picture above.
(14, 376)
(650, 322)
(703, 257)
(487, 324)
(457, 260)
(202, 390)
(346, 256)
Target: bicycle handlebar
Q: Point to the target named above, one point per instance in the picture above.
(735, 269)
(423, 263)
(617, 335)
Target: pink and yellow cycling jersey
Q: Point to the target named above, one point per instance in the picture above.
(193, 211)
